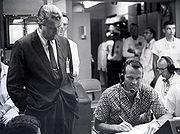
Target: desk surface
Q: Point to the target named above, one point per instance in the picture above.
(139, 129)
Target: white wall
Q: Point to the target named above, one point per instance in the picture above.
(84, 46)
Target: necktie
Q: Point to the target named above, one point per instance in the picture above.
(51, 55)
(56, 71)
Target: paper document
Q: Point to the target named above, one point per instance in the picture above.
(139, 129)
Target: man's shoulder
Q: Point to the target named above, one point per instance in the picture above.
(62, 40)
(128, 39)
(58, 37)
(28, 36)
(176, 78)
(176, 38)
(72, 43)
(160, 41)
(147, 89)
(112, 90)
(4, 66)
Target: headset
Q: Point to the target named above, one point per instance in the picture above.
(171, 68)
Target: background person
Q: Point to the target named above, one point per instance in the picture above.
(133, 45)
(73, 45)
(146, 57)
(121, 106)
(40, 78)
(7, 108)
(114, 55)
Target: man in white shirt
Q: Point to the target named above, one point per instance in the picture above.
(172, 101)
(167, 46)
(168, 77)
(146, 58)
(133, 45)
(7, 108)
(73, 45)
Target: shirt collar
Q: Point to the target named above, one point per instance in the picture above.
(153, 40)
(172, 43)
(43, 40)
(123, 94)
(3, 71)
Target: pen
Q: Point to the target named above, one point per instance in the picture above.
(121, 118)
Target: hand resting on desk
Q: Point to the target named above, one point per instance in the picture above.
(147, 128)
(123, 127)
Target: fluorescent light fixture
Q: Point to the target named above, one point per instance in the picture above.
(88, 4)
(15, 21)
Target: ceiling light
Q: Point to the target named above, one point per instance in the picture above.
(88, 4)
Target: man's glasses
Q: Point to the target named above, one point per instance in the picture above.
(161, 69)
(147, 32)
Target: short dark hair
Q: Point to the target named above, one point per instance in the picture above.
(170, 22)
(134, 63)
(22, 124)
(48, 11)
(152, 31)
(65, 15)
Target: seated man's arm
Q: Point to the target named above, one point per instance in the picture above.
(112, 128)
(103, 121)
(160, 112)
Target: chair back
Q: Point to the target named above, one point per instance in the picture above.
(93, 89)
(90, 85)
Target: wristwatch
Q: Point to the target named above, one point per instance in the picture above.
(3, 111)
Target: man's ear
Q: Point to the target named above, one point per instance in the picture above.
(163, 30)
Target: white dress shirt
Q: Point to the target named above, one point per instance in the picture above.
(130, 43)
(163, 87)
(4, 97)
(163, 47)
(75, 57)
(172, 100)
(102, 56)
(146, 60)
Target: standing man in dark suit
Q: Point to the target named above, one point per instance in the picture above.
(40, 78)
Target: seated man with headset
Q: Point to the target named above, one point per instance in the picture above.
(121, 106)
(168, 77)
(168, 85)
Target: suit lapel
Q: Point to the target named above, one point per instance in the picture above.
(36, 44)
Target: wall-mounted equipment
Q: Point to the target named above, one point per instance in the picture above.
(83, 33)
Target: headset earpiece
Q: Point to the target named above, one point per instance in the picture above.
(171, 68)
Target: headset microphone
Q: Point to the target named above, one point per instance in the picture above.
(129, 91)
(132, 90)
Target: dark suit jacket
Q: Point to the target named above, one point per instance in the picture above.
(30, 79)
